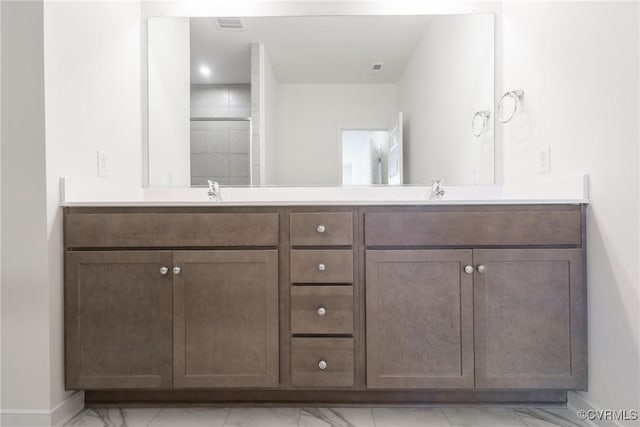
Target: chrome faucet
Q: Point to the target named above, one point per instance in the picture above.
(214, 192)
(437, 190)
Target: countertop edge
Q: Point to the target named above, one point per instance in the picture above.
(209, 204)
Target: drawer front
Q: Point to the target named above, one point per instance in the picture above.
(322, 266)
(321, 310)
(321, 229)
(473, 228)
(171, 229)
(307, 355)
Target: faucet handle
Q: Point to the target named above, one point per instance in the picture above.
(437, 189)
(214, 190)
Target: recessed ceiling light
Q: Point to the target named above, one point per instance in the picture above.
(205, 71)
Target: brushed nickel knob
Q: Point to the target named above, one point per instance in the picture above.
(322, 311)
(482, 269)
(164, 270)
(468, 269)
(177, 270)
(322, 267)
(322, 365)
(321, 228)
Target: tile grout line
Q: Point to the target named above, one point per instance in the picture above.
(155, 416)
(73, 419)
(446, 417)
(373, 418)
(299, 416)
(229, 409)
(524, 420)
(373, 414)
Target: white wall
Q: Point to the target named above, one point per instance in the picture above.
(25, 295)
(92, 101)
(447, 79)
(1, 406)
(578, 65)
(71, 73)
(169, 82)
(311, 118)
(195, 8)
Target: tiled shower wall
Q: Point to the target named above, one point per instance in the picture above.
(220, 148)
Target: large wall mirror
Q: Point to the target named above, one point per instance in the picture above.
(321, 101)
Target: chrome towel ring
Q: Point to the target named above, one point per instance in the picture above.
(484, 115)
(516, 95)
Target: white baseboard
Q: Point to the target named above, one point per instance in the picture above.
(67, 409)
(576, 403)
(55, 417)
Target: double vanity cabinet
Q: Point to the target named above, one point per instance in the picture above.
(325, 304)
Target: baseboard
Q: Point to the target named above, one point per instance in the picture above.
(576, 402)
(44, 418)
(17, 418)
(67, 409)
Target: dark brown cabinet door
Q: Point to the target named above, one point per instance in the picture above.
(118, 320)
(419, 319)
(530, 319)
(226, 319)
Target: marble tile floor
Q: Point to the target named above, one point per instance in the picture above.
(327, 417)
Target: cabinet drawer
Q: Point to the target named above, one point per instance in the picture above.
(322, 266)
(321, 229)
(150, 230)
(307, 355)
(321, 310)
(474, 228)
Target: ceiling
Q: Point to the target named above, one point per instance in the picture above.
(334, 49)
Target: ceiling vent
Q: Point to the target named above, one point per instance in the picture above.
(230, 24)
(377, 66)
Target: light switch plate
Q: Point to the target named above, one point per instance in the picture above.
(104, 164)
(544, 160)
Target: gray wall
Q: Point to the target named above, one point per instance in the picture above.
(24, 281)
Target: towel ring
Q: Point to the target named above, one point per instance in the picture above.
(516, 95)
(484, 115)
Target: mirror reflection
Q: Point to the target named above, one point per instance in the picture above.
(307, 101)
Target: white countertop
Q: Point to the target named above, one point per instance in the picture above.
(101, 193)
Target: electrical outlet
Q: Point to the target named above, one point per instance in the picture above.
(104, 164)
(544, 160)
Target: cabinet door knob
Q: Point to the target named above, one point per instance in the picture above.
(482, 269)
(164, 270)
(322, 266)
(321, 228)
(322, 365)
(177, 270)
(322, 311)
(468, 269)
